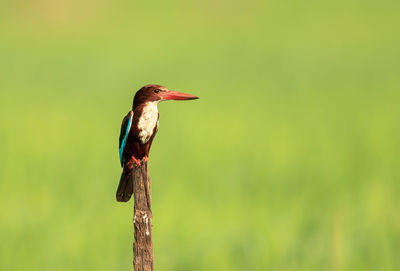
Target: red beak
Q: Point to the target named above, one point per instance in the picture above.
(175, 95)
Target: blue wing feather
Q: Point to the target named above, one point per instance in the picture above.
(123, 142)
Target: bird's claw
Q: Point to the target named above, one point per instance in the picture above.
(137, 162)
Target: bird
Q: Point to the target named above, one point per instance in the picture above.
(138, 130)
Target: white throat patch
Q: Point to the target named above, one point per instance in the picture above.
(148, 121)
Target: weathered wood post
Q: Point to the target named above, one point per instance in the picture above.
(143, 244)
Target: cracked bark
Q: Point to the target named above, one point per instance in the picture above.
(143, 244)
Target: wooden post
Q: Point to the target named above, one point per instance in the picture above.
(143, 244)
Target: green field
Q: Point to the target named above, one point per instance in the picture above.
(290, 159)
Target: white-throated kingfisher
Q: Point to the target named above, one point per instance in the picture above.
(138, 129)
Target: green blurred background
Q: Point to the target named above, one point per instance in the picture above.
(289, 160)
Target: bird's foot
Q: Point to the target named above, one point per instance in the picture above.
(137, 162)
(145, 159)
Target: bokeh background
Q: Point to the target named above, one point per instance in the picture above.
(289, 161)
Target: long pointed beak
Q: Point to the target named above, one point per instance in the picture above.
(175, 95)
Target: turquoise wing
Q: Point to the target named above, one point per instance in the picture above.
(123, 136)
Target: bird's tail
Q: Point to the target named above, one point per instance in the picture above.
(125, 187)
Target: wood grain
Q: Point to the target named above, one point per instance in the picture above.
(143, 244)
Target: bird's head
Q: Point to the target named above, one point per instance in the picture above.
(157, 93)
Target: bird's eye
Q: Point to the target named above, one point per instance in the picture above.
(157, 90)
